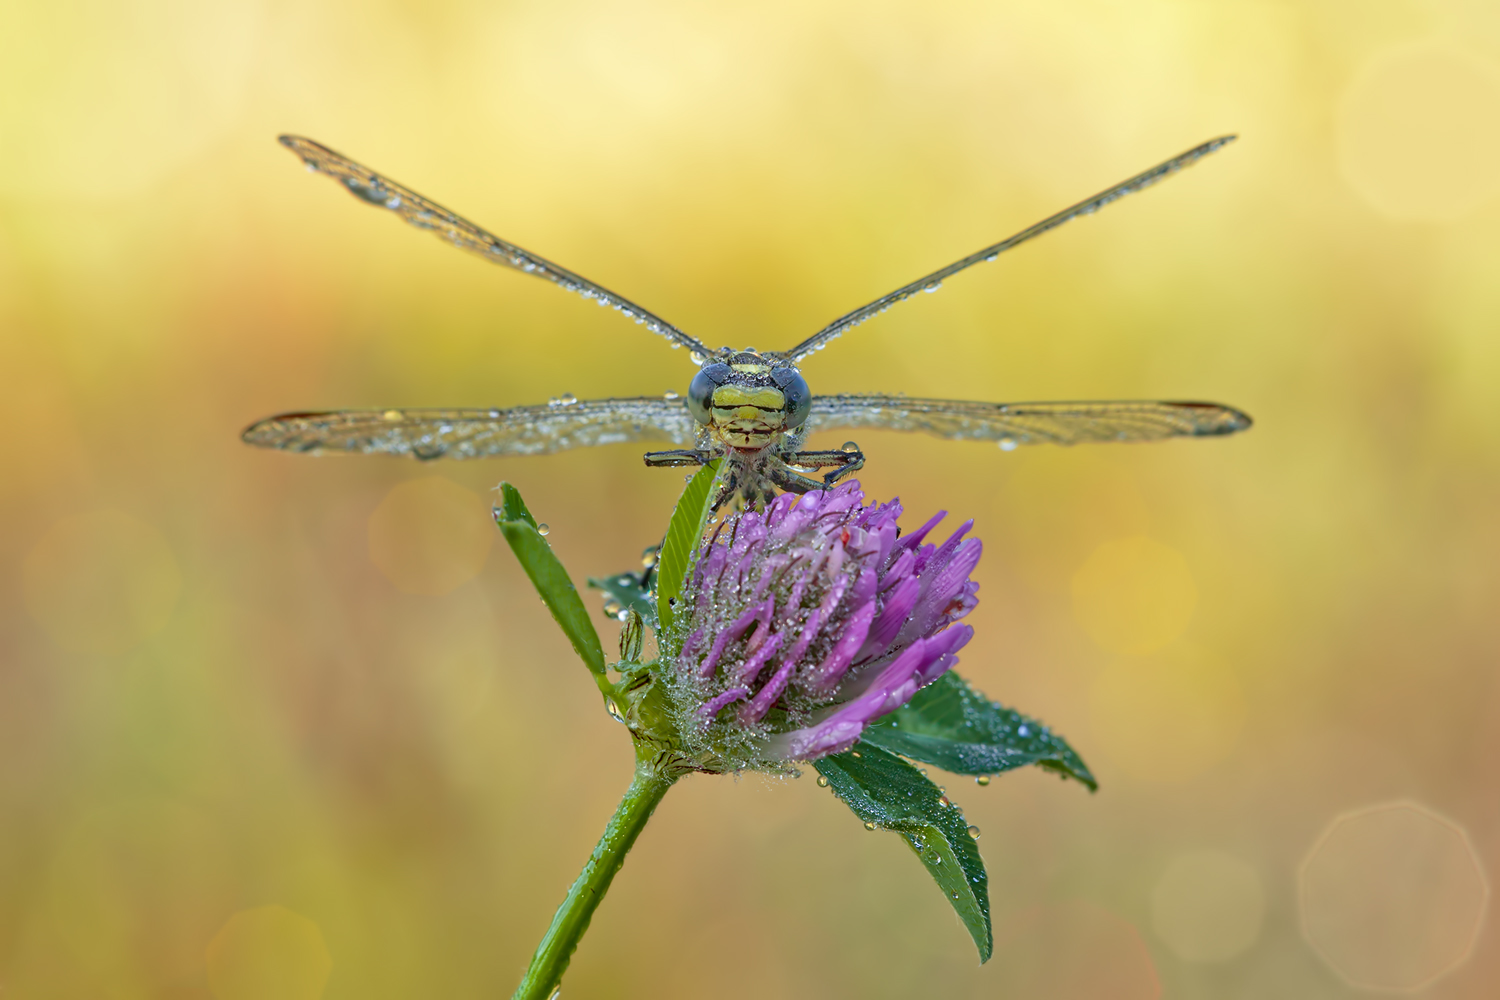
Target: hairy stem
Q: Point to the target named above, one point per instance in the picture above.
(572, 918)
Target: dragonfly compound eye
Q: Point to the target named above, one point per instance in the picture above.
(798, 396)
(701, 389)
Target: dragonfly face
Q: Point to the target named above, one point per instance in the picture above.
(747, 401)
(751, 408)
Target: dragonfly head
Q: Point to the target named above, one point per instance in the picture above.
(748, 400)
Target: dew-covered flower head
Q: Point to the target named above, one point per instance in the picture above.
(801, 625)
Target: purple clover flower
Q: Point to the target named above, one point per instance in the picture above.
(802, 625)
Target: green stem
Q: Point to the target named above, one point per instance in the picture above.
(572, 917)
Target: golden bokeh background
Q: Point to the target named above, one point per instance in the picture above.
(273, 726)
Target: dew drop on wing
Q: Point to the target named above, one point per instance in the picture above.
(932, 287)
(494, 414)
(361, 190)
(1007, 444)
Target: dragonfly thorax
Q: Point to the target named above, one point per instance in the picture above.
(747, 401)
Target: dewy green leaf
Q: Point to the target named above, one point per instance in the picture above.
(684, 532)
(952, 726)
(626, 588)
(889, 793)
(549, 578)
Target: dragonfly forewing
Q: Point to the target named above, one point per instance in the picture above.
(931, 282)
(383, 192)
(477, 433)
(1012, 424)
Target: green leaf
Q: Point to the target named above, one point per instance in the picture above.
(684, 533)
(952, 726)
(549, 577)
(626, 588)
(886, 791)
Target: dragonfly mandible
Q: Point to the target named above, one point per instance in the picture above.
(750, 407)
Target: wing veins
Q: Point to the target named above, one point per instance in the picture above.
(1088, 206)
(423, 213)
(1028, 423)
(478, 433)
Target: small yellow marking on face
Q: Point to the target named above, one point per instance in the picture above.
(766, 398)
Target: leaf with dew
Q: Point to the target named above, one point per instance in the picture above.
(886, 792)
(684, 533)
(950, 725)
(626, 589)
(549, 577)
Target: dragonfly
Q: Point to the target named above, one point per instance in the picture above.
(752, 409)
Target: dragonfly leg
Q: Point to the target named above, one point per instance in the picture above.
(845, 463)
(676, 458)
(790, 480)
(728, 487)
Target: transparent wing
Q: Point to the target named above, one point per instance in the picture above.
(1013, 424)
(521, 430)
(369, 186)
(931, 282)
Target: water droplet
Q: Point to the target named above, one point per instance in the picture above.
(943, 801)
(394, 201)
(694, 356)
(848, 447)
(614, 711)
(983, 779)
(613, 608)
(934, 286)
(543, 529)
(1007, 444)
(648, 559)
(567, 399)
(1023, 730)
(955, 893)
(974, 832)
(855, 753)
(869, 826)
(393, 415)
(822, 781)
(670, 396)
(494, 414)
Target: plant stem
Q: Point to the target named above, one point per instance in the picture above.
(572, 917)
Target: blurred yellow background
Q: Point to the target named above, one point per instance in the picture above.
(273, 726)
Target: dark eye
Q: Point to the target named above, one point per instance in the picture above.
(798, 396)
(701, 390)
